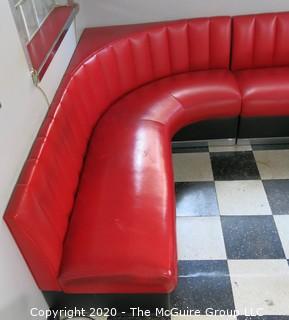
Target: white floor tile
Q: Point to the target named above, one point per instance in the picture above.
(235, 148)
(200, 238)
(192, 167)
(246, 197)
(282, 223)
(273, 164)
(260, 285)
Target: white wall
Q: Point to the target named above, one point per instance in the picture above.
(23, 108)
(109, 12)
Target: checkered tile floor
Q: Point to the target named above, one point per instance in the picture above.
(233, 230)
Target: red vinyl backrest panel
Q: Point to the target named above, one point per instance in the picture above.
(260, 41)
(39, 210)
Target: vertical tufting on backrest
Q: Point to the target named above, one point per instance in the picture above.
(179, 47)
(98, 85)
(220, 43)
(39, 210)
(260, 41)
(160, 52)
(127, 73)
(109, 66)
(210, 43)
(141, 58)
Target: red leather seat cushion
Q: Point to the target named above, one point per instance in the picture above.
(265, 92)
(122, 232)
(200, 95)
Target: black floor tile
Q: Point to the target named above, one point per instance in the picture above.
(196, 199)
(234, 166)
(278, 195)
(251, 237)
(283, 146)
(202, 285)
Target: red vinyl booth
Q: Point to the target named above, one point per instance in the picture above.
(260, 61)
(93, 211)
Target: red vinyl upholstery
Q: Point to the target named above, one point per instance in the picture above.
(260, 48)
(121, 237)
(94, 209)
(260, 41)
(265, 92)
(126, 194)
(43, 198)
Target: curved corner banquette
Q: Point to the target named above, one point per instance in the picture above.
(94, 209)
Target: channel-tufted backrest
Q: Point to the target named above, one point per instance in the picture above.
(157, 52)
(39, 210)
(260, 41)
